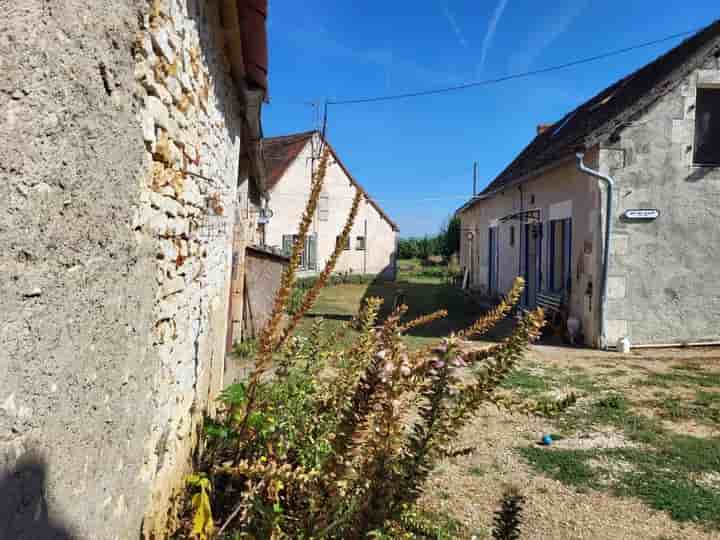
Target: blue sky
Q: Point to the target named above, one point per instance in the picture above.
(408, 151)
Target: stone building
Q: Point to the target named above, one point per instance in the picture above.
(652, 277)
(130, 168)
(290, 161)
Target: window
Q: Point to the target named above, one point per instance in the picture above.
(360, 243)
(707, 126)
(347, 242)
(512, 235)
(323, 208)
(308, 257)
(560, 254)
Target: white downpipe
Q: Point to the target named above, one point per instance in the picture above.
(609, 183)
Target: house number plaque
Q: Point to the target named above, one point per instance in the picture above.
(641, 214)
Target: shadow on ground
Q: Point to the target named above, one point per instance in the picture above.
(423, 298)
(24, 512)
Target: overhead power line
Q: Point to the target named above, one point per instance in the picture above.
(521, 75)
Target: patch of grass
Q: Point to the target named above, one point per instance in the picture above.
(567, 466)
(679, 377)
(477, 471)
(526, 383)
(583, 382)
(688, 367)
(617, 373)
(704, 408)
(662, 472)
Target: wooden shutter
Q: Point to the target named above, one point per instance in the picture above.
(311, 252)
(287, 243)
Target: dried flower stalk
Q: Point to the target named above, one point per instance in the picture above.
(267, 343)
(312, 295)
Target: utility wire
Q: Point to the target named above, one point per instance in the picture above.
(511, 77)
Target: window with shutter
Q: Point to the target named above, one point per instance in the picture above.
(360, 243)
(287, 244)
(338, 239)
(323, 208)
(311, 250)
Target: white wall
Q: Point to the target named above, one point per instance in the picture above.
(288, 199)
(560, 188)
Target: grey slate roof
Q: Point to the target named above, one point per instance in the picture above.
(598, 119)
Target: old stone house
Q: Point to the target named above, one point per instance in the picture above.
(372, 246)
(645, 263)
(130, 171)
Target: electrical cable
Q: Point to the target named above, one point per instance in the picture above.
(487, 82)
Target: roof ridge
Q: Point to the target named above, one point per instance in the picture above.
(598, 116)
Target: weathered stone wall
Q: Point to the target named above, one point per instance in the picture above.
(664, 284)
(77, 288)
(263, 273)
(191, 121)
(115, 265)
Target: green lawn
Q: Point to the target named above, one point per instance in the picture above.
(425, 289)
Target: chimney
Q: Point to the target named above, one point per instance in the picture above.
(542, 128)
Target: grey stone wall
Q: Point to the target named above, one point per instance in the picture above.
(76, 371)
(664, 284)
(115, 265)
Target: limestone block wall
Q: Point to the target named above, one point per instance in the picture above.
(191, 121)
(664, 284)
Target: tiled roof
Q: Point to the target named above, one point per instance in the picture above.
(605, 114)
(280, 152)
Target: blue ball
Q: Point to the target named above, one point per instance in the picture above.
(547, 440)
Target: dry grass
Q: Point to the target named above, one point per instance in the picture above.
(621, 470)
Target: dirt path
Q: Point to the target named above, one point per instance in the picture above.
(469, 487)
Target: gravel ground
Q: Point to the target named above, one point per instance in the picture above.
(470, 487)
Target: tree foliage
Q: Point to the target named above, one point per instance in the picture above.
(445, 243)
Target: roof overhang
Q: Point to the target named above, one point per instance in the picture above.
(523, 216)
(517, 182)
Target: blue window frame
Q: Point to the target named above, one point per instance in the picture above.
(560, 255)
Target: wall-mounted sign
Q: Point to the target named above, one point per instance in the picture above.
(641, 214)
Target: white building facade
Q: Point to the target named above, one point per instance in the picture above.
(372, 245)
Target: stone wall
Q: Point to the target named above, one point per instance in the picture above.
(263, 273)
(116, 265)
(191, 122)
(77, 288)
(664, 284)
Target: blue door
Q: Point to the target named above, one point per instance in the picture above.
(492, 261)
(532, 233)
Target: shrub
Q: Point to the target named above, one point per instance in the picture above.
(339, 443)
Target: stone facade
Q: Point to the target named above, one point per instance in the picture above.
(664, 274)
(121, 156)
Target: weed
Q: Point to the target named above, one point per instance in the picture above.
(477, 471)
(245, 349)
